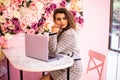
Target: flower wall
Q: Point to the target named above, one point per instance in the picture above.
(33, 16)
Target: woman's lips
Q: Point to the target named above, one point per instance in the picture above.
(62, 25)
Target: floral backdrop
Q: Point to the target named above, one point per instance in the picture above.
(33, 16)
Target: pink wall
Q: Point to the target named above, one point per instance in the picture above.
(93, 36)
(95, 33)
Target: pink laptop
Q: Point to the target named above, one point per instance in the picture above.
(36, 46)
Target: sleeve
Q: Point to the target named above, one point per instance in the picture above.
(65, 41)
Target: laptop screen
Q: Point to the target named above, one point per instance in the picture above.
(36, 46)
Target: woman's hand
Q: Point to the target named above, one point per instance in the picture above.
(55, 28)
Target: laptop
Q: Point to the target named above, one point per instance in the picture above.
(36, 46)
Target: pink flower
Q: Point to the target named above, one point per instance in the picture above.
(79, 20)
(2, 7)
(3, 42)
(2, 39)
(15, 2)
(19, 1)
(5, 45)
(31, 31)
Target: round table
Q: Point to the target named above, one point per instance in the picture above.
(16, 56)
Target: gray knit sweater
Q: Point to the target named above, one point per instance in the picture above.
(67, 44)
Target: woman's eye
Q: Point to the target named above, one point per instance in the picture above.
(58, 19)
(64, 18)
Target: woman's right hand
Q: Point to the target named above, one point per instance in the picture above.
(55, 28)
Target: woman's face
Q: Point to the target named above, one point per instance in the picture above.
(61, 20)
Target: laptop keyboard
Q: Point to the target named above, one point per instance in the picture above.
(51, 57)
(55, 56)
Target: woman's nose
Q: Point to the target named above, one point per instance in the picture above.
(62, 21)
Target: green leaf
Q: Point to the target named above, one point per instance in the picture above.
(28, 3)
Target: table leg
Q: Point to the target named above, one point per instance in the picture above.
(8, 69)
(43, 73)
(68, 73)
(21, 75)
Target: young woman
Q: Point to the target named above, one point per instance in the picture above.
(63, 40)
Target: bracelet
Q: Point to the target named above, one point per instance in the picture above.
(52, 34)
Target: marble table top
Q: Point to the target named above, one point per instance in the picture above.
(16, 56)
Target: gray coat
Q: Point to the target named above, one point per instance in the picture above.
(67, 44)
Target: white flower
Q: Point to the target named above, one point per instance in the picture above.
(16, 14)
(2, 19)
(39, 5)
(8, 36)
(6, 2)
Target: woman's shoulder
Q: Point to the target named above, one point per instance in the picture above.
(70, 31)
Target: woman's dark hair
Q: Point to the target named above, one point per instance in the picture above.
(68, 15)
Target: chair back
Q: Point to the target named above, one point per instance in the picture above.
(97, 60)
